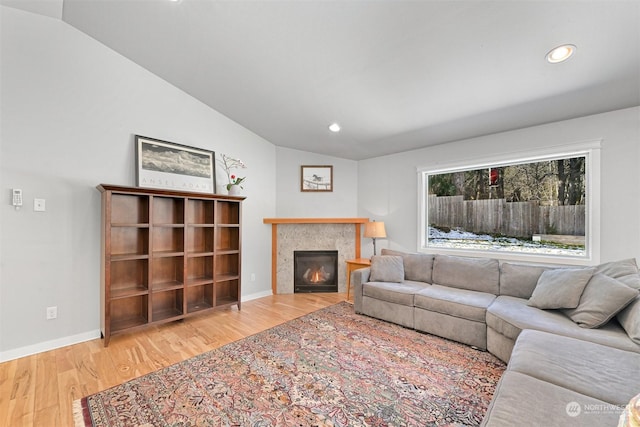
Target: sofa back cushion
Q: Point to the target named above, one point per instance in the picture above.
(626, 271)
(476, 274)
(417, 267)
(517, 280)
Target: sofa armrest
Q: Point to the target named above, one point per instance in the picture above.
(358, 277)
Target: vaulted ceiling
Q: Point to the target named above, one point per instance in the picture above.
(396, 75)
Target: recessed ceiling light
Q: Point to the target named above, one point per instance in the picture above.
(560, 53)
(334, 127)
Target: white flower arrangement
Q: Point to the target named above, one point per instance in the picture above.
(229, 164)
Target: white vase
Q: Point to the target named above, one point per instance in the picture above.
(234, 190)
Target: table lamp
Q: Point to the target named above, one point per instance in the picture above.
(374, 230)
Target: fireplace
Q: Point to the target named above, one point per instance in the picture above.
(315, 271)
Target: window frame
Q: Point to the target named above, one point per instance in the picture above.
(589, 149)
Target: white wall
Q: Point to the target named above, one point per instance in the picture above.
(388, 185)
(70, 108)
(292, 203)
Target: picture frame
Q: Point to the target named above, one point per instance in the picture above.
(171, 166)
(316, 178)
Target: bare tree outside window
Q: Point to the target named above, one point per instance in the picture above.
(535, 207)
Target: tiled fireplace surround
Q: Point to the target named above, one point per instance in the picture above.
(307, 234)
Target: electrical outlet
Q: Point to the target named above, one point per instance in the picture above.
(52, 313)
(253, 277)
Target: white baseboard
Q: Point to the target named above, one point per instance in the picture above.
(85, 336)
(48, 345)
(256, 295)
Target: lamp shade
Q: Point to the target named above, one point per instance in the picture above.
(374, 229)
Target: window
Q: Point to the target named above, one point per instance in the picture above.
(538, 207)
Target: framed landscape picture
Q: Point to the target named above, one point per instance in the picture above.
(316, 178)
(171, 166)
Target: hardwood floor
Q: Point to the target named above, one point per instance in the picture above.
(39, 390)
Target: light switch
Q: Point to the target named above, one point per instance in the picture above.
(39, 205)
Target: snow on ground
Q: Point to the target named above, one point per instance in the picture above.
(460, 239)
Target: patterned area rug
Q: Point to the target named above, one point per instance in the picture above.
(331, 367)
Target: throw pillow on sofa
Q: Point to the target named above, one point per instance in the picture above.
(560, 288)
(626, 271)
(387, 268)
(603, 298)
(629, 318)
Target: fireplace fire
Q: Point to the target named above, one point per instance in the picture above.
(315, 271)
(318, 275)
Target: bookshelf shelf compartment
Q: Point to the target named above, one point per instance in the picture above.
(200, 270)
(227, 292)
(128, 312)
(166, 255)
(200, 211)
(227, 238)
(167, 272)
(129, 277)
(129, 209)
(228, 213)
(199, 298)
(167, 304)
(168, 239)
(227, 265)
(129, 241)
(168, 210)
(200, 240)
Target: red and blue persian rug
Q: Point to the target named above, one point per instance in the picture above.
(328, 368)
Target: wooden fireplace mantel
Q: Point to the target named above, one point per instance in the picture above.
(274, 237)
(315, 220)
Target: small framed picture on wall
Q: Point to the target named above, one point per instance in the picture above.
(316, 178)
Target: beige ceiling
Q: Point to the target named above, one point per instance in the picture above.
(397, 75)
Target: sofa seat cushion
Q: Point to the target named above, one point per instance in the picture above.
(461, 303)
(591, 369)
(510, 315)
(397, 293)
(524, 401)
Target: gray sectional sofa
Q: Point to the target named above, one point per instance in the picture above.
(570, 336)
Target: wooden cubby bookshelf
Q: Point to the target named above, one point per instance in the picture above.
(166, 255)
